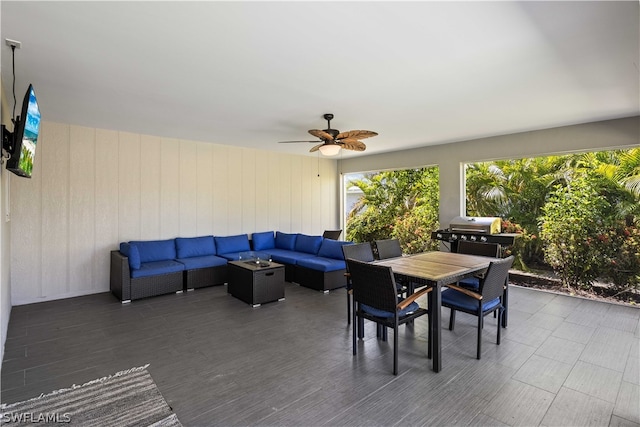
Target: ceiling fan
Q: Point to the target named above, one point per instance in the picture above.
(333, 140)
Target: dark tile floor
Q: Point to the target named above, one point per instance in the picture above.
(563, 361)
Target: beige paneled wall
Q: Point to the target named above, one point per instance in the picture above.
(93, 188)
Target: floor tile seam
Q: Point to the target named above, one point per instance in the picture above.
(580, 359)
(535, 386)
(54, 362)
(597, 366)
(615, 404)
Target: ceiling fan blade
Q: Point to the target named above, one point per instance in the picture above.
(352, 144)
(356, 134)
(321, 134)
(316, 148)
(293, 142)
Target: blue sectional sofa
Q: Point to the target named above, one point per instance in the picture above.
(142, 269)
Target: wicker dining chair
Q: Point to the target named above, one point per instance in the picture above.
(388, 248)
(375, 298)
(487, 299)
(489, 250)
(361, 252)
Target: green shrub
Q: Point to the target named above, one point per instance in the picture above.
(572, 218)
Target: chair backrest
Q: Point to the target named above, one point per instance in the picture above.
(492, 285)
(373, 285)
(358, 251)
(389, 248)
(332, 234)
(478, 248)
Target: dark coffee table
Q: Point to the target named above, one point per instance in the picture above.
(256, 282)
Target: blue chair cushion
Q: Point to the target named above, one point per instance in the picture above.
(155, 250)
(460, 301)
(264, 240)
(155, 268)
(230, 244)
(286, 241)
(322, 264)
(132, 254)
(332, 249)
(472, 283)
(206, 261)
(187, 247)
(288, 257)
(387, 314)
(308, 244)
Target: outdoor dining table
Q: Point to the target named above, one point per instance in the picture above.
(435, 269)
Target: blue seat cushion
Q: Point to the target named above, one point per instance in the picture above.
(206, 261)
(286, 241)
(332, 249)
(460, 301)
(155, 268)
(288, 257)
(322, 264)
(229, 244)
(264, 240)
(472, 283)
(308, 244)
(155, 250)
(132, 254)
(387, 314)
(187, 247)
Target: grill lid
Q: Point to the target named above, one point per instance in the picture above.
(477, 224)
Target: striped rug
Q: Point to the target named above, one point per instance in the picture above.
(127, 398)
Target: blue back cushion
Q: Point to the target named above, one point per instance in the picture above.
(187, 247)
(286, 241)
(155, 250)
(308, 244)
(131, 252)
(262, 241)
(228, 244)
(332, 249)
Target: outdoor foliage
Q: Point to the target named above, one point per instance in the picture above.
(525, 193)
(578, 214)
(396, 204)
(571, 217)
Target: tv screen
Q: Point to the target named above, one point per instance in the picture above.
(26, 130)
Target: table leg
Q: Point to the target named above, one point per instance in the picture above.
(436, 303)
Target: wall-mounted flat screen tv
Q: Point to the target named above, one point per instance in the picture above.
(25, 136)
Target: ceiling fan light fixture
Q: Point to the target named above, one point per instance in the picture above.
(330, 150)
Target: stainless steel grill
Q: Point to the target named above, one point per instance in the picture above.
(474, 229)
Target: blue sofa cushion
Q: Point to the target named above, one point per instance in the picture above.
(288, 257)
(155, 268)
(286, 241)
(332, 249)
(464, 302)
(387, 314)
(155, 250)
(308, 244)
(264, 240)
(206, 261)
(229, 244)
(131, 252)
(187, 247)
(322, 264)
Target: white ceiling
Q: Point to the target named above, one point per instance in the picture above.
(254, 73)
